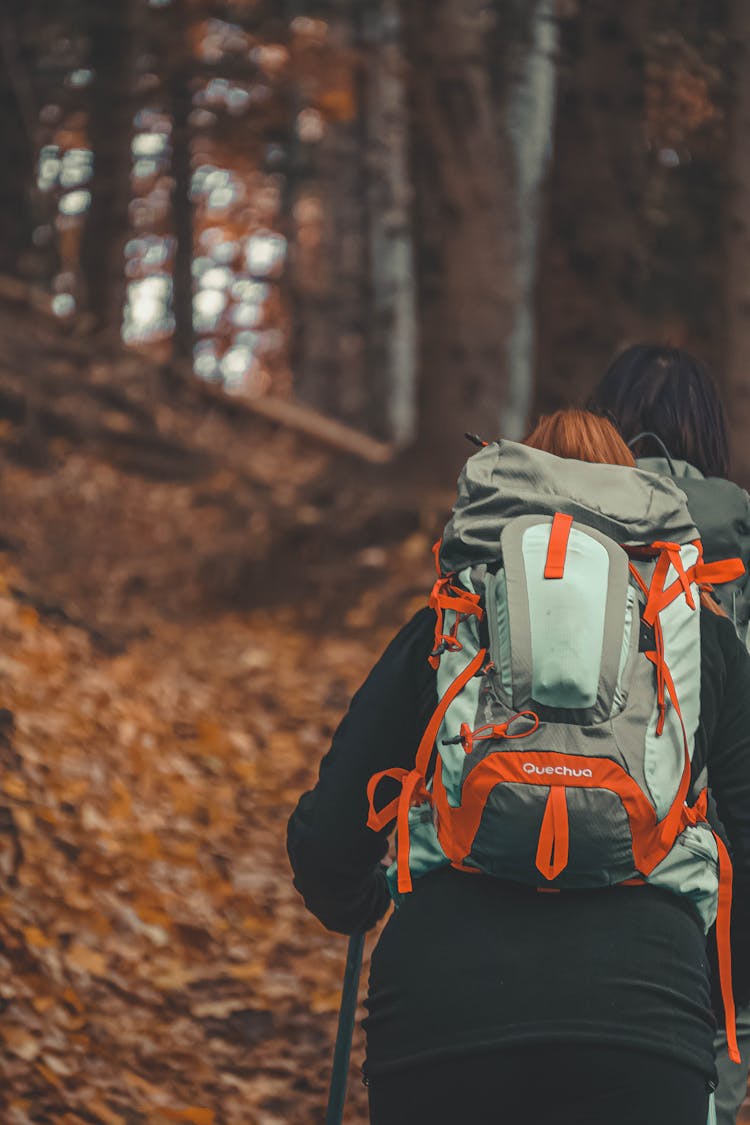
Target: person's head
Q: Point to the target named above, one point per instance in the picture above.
(582, 436)
(668, 392)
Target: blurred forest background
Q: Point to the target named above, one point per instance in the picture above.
(262, 262)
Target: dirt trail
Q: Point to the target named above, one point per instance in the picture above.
(175, 652)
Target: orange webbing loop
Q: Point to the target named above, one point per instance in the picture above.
(462, 602)
(724, 948)
(552, 851)
(713, 574)
(378, 820)
(659, 598)
(557, 548)
(413, 792)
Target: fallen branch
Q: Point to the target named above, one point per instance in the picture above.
(305, 420)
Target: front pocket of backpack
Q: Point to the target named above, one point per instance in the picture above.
(599, 839)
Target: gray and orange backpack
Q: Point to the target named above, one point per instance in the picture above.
(567, 651)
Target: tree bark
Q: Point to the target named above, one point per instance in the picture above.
(737, 248)
(531, 113)
(182, 208)
(462, 58)
(17, 126)
(592, 257)
(632, 249)
(329, 258)
(392, 321)
(110, 129)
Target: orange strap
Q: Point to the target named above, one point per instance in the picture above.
(424, 751)
(717, 572)
(413, 792)
(552, 852)
(558, 545)
(724, 948)
(446, 596)
(377, 820)
(413, 784)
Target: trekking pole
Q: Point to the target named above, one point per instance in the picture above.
(342, 1050)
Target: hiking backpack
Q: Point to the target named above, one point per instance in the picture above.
(567, 651)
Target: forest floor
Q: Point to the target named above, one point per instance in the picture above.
(188, 597)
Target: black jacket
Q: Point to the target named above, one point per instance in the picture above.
(468, 962)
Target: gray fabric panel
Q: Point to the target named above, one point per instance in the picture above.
(498, 626)
(629, 726)
(664, 754)
(464, 708)
(517, 601)
(691, 869)
(600, 844)
(505, 480)
(628, 652)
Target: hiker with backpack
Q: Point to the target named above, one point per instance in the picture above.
(542, 735)
(665, 404)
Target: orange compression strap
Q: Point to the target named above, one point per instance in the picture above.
(424, 751)
(413, 785)
(724, 948)
(715, 573)
(558, 545)
(413, 792)
(552, 852)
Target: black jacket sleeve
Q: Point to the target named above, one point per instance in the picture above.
(336, 858)
(729, 779)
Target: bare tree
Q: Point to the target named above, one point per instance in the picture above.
(18, 119)
(180, 103)
(737, 246)
(110, 29)
(466, 63)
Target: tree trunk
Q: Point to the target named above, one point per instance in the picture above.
(392, 321)
(632, 249)
(329, 259)
(110, 129)
(592, 255)
(737, 248)
(463, 57)
(531, 117)
(182, 208)
(17, 126)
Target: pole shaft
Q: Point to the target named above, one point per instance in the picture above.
(347, 1012)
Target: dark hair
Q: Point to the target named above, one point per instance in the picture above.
(581, 435)
(672, 394)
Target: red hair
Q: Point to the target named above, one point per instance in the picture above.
(582, 436)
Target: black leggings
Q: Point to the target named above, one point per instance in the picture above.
(542, 1085)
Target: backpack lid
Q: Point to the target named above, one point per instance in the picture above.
(504, 480)
(720, 508)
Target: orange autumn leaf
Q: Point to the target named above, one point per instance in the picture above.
(36, 938)
(192, 1115)
(86, 960)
